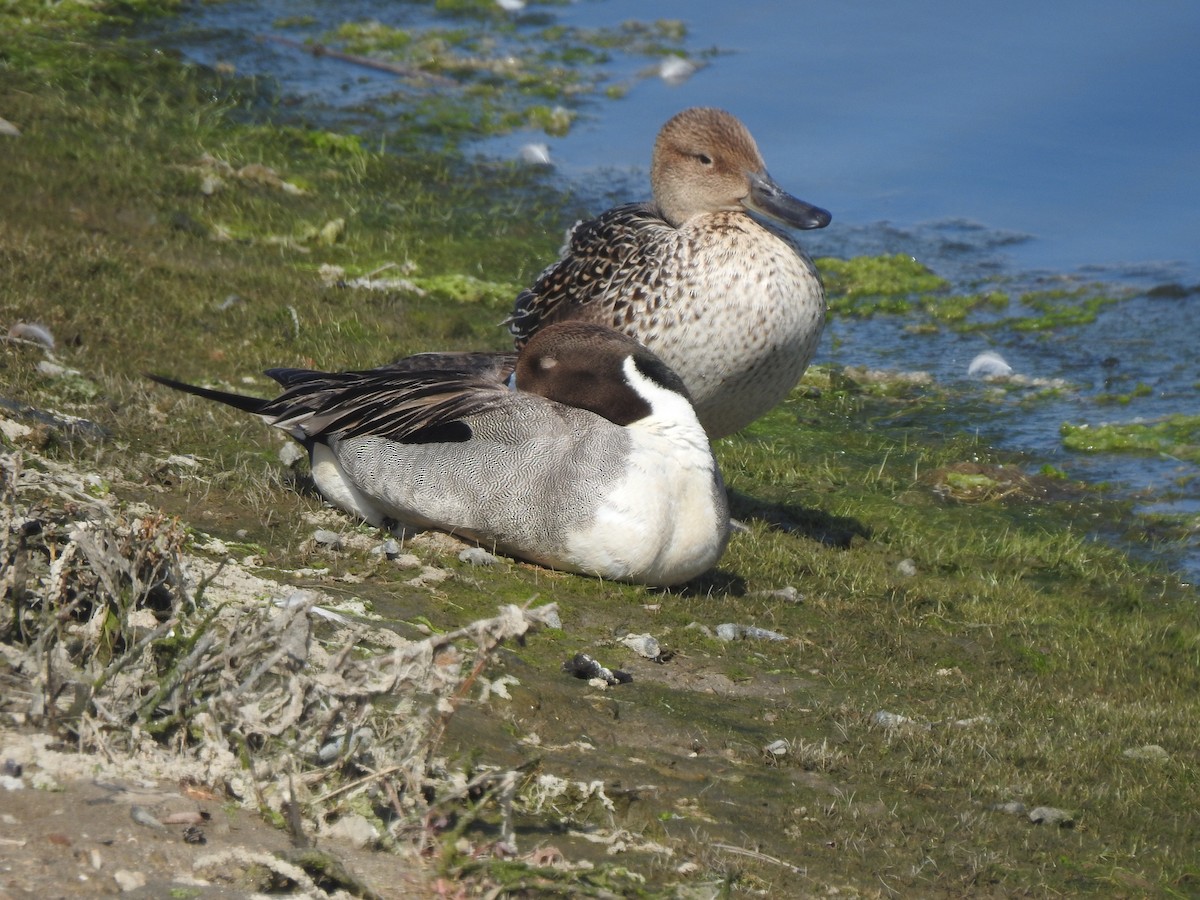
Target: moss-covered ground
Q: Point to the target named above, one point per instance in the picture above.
(150, 229)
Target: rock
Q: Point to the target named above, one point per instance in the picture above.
(777, 748)
(143, 817)
(1011, 807)
(643, 645)
(129, 881)
(406, 561)
(906, 567)
(477, 556)
(360, 543)
(1051, 815)
(54, 370)
(890, 720)
(389, 548)
(325, 538)
(429, 575)
(291, 453)
(354, 829)
(1148, 753)
(733, 632)
(787, 594)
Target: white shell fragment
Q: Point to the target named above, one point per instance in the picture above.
(675, 70)
(33, 332)
(535, 154)
(989, 365)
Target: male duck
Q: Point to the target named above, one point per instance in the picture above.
(593, 462)
(733, 305)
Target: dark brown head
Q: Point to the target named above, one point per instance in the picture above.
(582, 364)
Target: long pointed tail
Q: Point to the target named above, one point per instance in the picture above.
(237, 401)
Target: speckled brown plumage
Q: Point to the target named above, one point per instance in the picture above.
(731, 304)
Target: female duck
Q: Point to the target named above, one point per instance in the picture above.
(594, 462)
(733, 305)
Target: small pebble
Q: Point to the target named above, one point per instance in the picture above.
(389, 548)
(129, 881)
(291, 453)
(906, 567)
(429, 575)
(885, 719)
(787, 594)
(777, 748)
(406, 561)
(186, 817)
(643, 645)
(1012, 808)
(730, 631)
(327, 538)
(1050, 815)
(1148, 753)
(355, 829)
(477, 556)
(54, 370)
(143, 817)
(8, 129)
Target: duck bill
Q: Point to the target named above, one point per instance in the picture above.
(770, 199)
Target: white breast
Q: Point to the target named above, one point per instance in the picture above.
(666, 517)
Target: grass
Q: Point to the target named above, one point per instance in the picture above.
(1062, 651)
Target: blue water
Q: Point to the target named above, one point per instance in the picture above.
(1041, 143)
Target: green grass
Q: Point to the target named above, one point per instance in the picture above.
(1065, 650)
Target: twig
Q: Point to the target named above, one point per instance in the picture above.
(760, 857)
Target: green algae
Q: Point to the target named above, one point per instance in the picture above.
(497, 74)
(868, 285)
(468, 289)
(1013, 611)
(1176, 436)
(900, 285)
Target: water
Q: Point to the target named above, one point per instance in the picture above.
(1029, 142)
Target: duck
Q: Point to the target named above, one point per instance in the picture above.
(582, 453)
(729, 301)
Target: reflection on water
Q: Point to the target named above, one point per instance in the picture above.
(1020, 144)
